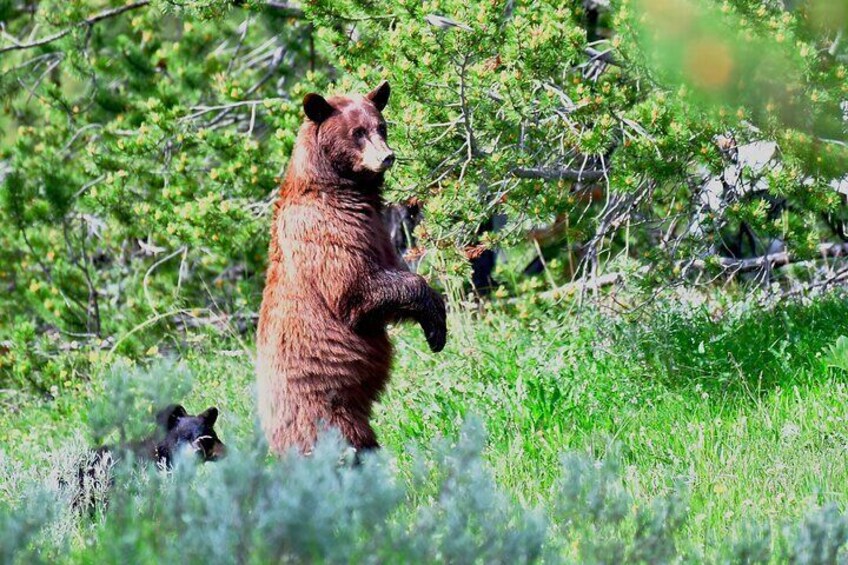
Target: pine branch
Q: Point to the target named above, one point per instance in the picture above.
(104, 15)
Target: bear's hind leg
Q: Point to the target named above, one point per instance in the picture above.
(355, 427)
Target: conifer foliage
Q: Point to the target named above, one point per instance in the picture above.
(659, 139)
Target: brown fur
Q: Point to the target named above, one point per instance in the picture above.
(334, 281)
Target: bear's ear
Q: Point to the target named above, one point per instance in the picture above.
(168, 416)
(380, 95)
(209, 416)
(316, 107)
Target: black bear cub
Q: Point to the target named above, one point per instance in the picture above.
(182, 431)
(178, 431)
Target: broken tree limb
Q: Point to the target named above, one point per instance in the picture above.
(90, 21)
(730, 265)
(558, 174)
(605, 56)
(289, 9)
(774, 260)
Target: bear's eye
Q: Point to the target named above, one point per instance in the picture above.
(381, 129)
(359, 133)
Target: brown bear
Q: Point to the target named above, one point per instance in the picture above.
(334, 281)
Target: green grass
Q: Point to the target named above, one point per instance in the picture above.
(748, 409)
(753, 420)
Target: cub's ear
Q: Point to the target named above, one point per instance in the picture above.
(316, 107)
(209, 415)
(168, 416)
(380, 95)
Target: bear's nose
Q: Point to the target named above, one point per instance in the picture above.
(219, 451)
(389, 161)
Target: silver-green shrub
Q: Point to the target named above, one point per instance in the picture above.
(437, 503)
(322, 508)
(820, 538)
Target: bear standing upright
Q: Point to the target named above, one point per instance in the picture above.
(334, 281)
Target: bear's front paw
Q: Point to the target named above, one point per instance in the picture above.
(436, 339)
(435, 330)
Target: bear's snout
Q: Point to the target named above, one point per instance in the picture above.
(388, 161)
(219, 451)
(377, 156)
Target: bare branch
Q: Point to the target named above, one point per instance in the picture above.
(106, 14)
(773, 260)
(605, 56)
(288, 8)
(558, 174)
(200, 110)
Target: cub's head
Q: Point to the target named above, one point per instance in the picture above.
(193, 433)
(351, 132)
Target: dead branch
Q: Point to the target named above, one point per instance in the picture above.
(605, 56)
(288, 8)
(772, 261)
(91, 21)
(559, 174)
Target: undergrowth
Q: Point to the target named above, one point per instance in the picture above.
(690, 434)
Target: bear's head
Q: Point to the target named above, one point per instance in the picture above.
(193, 433)
(350, 133)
